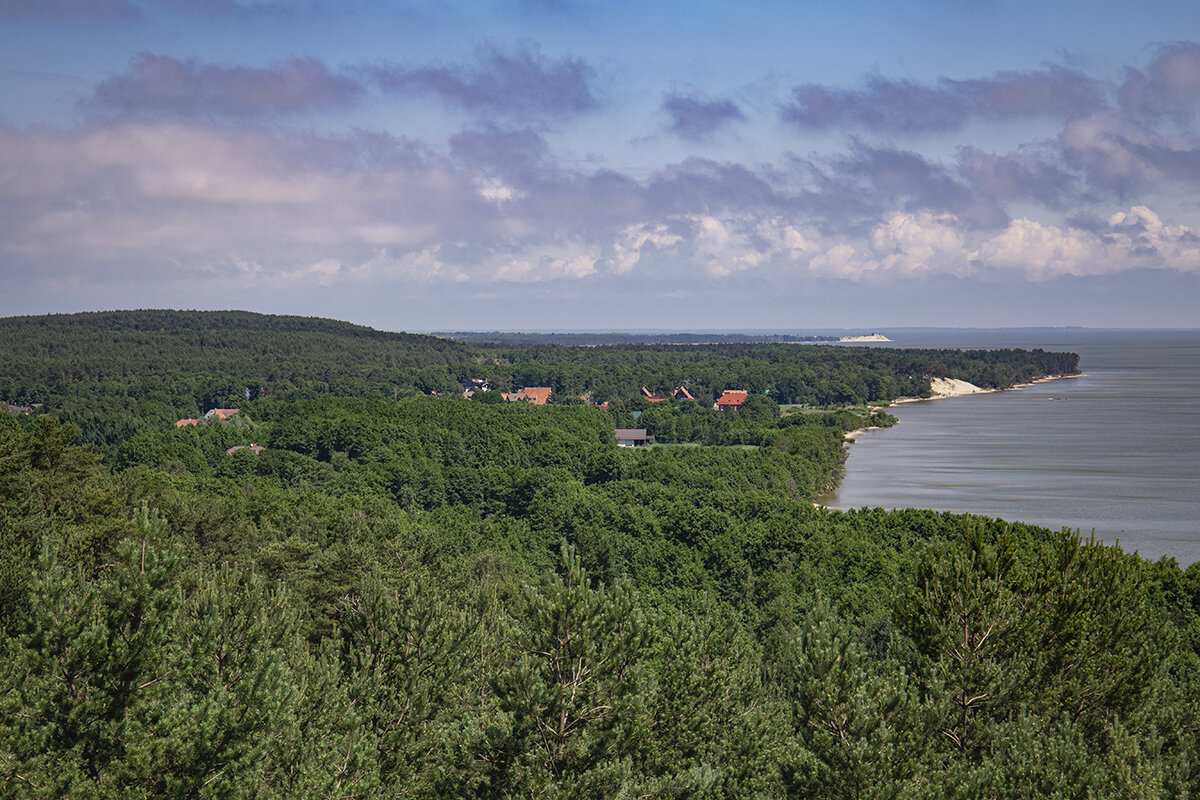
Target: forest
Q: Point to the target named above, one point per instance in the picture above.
(406, 595)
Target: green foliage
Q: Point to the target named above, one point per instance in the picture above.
(415, 596)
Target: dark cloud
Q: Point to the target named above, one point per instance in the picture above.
(1118, 155)
(521, 82)
(223, 8)
(696, 118)
(158, 84)
(125, 9)
(883, 105)
(903, 106)
(1016, 176)
(69, 9)
(497, 147)
(701, 185)
(1055, 91)
(1170, 87)
(903, 179)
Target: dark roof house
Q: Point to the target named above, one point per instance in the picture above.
(632, 437)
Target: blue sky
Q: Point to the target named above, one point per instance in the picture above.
(532, 164)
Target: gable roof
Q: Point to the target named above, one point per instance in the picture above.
(732, 398)
(538, 395)
(683, 394)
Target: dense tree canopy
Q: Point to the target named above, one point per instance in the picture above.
(412, 596)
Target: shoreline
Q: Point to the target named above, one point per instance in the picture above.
(956, 388)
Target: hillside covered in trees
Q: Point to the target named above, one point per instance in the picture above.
(117, 373)
(402, 595)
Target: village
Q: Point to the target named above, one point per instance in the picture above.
(730, 400)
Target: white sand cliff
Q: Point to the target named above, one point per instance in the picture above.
(874, 337)
(953, 387)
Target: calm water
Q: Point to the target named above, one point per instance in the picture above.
(1116, 451)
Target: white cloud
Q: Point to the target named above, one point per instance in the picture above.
(1133, 239)
(627, 249)
(1041, 251)
(920, 244)
(496, 190)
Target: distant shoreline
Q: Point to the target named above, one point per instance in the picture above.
(951, 387)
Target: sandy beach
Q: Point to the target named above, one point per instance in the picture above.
(952, 387)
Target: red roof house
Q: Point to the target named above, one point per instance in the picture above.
(653, 398)
(731, 399)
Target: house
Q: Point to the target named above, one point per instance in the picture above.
(682, 394)
(183, 423)
(538, 395)
(221, 413)
(731, 399)
(17, 411)
(633, 437)
(473, 385)
(652, 397)
(254, 448)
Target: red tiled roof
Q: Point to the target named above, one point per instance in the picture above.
(185, 422)
(732, 397)
(538, 395)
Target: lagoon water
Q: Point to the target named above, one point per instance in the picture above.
(1116, 451)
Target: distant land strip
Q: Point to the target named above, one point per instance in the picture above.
(616, 338)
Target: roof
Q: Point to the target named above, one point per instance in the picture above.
(185, 422)
(631, 433)
(223, 413)
(732, 397)
(255, 448)
(682, 390)
(538, 395)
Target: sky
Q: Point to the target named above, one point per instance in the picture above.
(578, 164)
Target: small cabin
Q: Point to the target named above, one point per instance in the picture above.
(633, 437)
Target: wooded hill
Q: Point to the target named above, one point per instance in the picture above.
(416, 596)
(114, 374)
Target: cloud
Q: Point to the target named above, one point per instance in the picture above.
(695, 118)
(904, 106)
(1041, 251)
(703, 184)
(161, 85)
(128, 10)
(920, 244)
(517, 83)
(1054, 91)
(1017, 176)
(1170, 87)
(497, 147)
(903, 178)
(69, 9)
(882, 105)
(1131, 240)
(1140, 234)
(1114, 153)
(176, 203)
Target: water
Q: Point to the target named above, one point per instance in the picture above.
(1116, 452)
